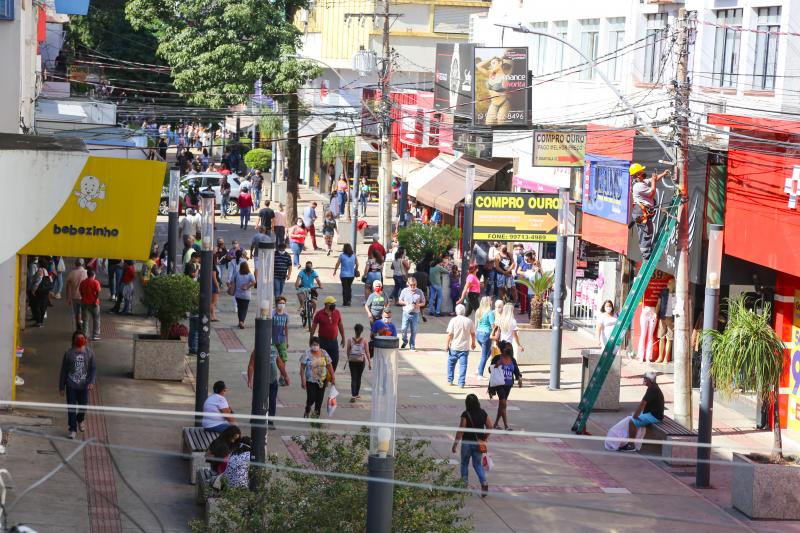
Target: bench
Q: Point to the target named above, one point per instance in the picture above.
(206, 495)
(195, 443)
(668, 430)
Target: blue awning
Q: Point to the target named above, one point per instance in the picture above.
(72, 7)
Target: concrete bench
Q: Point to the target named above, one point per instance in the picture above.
(206, 495)
(668, 431)
(195, 443)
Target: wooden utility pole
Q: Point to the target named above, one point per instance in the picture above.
(385, 196)
(682, 355)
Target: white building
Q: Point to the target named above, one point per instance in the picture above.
(19, 64)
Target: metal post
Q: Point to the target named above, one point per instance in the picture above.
(710, 320)
(558, 291)
(380, 494)
(466, 225)
(354, 199)
(261, 354)
(402, 204)
(172, 228)
(206, 266)
(385, 194)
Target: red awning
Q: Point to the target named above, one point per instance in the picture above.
(771, 125)
(606, 233)
(610, 142)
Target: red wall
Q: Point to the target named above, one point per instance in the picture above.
(403, 105)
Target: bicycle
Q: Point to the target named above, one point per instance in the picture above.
(307, 311)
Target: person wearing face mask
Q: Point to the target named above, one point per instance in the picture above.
(376, 302)
(329, 322)
(382, 328)
(280, 328)
(297, 238)
(305, 282)
(316, 370)
(77, 378)
(606, 321)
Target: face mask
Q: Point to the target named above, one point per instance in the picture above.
(315, 348)
(331, 307)
(80, 342)
(281, 307)
(387, 319)
(609, 309)
(379, 290)
(309, 269)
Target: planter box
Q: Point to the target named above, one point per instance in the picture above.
(765, 490)
(155, 358)
(608, 398)
(537, 345)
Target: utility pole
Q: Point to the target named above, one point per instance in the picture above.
(386, 144)
(682, 351)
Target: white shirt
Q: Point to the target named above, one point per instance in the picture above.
(190, 225)
(214, 404)
(607, 323)
(509, 335)
(462, 330)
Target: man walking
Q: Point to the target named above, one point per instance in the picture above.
(329, 321)
(309, 217)
(460, 338)
(89, 290)
(257, 182)
(190, 225)
(436, 291)
(282, 269)
(279, 224)
(412, 300)
(225, 192)
(76, 379)
(74, 280)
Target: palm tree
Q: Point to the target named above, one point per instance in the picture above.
(748, 356)
(539, 286)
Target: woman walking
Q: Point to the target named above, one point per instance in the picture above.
(508, 365)
(374, 271)
(328, 229)
(214, 289)
(357, 358)
(244, 282)
(363, 196)
(77, 377)
(605, 323)
(472, 291)
(484, 318)
(341, 192)
(473, 443)
(297, 238)
(506, 332)
(400, 266)
(245, 205)
(348, 262)
(316, 370)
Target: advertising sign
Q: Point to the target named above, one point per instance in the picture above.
(559, 148)
(476, 144)
(370, 113)
(501, 87)
(453, 88)
(606, 187)
(111, 212)
(793, 418)
(521, 217)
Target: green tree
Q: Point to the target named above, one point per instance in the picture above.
(303, 501)
(258, 158)
(419, 239)
(748, 356)
(218, 49)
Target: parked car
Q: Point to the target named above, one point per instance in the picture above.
(204, 179)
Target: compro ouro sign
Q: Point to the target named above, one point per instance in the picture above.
(559, 148)
(521, 217)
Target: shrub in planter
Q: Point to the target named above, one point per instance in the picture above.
(171, 297)
(259, 159)
(419, 239)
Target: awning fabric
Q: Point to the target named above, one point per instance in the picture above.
(313, 126)
(419, 177)
(446, 189)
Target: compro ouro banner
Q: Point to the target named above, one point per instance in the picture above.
(501, 87)
(559, 148)
(110, 213)
(521, 217)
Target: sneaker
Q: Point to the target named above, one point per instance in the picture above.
(71, 435)
(413, 348)
(113, 298)
(402, 346)
(353, 399)
(270, 425)
(58, 296)
(451, 384)
(482, 378)
(484, 490)
(96, 338)
(82, 427)
(628, 448)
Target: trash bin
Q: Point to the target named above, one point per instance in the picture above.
(194, 333)
(608, 399)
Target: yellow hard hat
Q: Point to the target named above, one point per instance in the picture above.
(330, 300)
(636, 168)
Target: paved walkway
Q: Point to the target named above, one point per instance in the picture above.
(553, 482)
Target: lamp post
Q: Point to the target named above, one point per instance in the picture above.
(380, 492)
(261, 356)
(206, 266)
(172, 233)
(558, 290)
(466, 225)
(710, 319)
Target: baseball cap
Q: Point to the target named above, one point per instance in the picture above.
(330, 300)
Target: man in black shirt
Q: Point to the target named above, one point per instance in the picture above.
(650, 410)
(265, 215)
(282, 268)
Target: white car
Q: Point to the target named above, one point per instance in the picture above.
(203, 180)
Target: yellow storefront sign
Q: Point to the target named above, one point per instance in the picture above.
(793, 416)
(110, 213)
(519, 217)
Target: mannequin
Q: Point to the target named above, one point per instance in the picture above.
(666, 322)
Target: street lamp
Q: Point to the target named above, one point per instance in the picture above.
(206, 266)
(466, 225)
(558, 290)
(710, 319)
(261, 356)
(172, 233)
(382, 434)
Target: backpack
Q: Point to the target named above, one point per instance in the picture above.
(45, 286)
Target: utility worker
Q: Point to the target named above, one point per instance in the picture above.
(644, 193)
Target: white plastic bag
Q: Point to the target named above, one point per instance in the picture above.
(497, 377)
(617, 436)
(332, 400)
(486, 461)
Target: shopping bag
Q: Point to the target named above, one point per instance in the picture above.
(332, 400)
(486, 461)
(497, 377)
(617, 436)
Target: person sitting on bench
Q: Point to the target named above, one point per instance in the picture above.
(649, 411)
(644, 194)
(217, 417)
(221, 448)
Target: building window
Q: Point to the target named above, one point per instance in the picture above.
(539, 49)
(726, 47)
(590, 40)
(560, 30)
(655, 31)
(616, 40)
(769, 24)
(6, 9)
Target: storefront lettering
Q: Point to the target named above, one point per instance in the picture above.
(517, 202)
(91, 231)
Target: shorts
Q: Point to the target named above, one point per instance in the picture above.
(666, 328)
(503, 391)
(313, 293)
(283, 353)
(645, 419)
(504, 281)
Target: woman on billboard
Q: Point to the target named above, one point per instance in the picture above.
(496, 71)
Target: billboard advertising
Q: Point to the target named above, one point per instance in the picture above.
(559, 148)
(453, 88)
(501, 87)
(606, 187)
(519, 217)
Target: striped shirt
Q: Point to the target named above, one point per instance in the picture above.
(283, 261)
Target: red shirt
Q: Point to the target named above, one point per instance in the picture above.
(328, 324)
(245, 200)
(376, 246)
(90, 291)
(129, 274)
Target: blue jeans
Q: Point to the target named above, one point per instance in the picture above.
(296, 249)
(219, 428)
(277, 285)
(273, 397)
(410, 321)
(486, 349)
(223, 210)
(363, 200)
(469, 450)
(75, 415)
(399, 285)
(436, 299)
(454, 356)
(58, 283)
(342, 201)
(257, 196)
(244, 217)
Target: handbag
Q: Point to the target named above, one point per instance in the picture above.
(232, 286)
(482, 446)
(497, 377)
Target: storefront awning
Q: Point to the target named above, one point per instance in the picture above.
(446, 189)
(422, 175)
(313, 126)
(773, 125)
